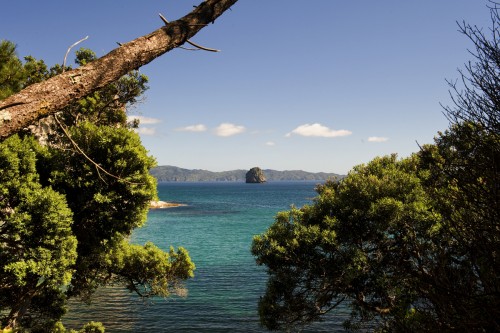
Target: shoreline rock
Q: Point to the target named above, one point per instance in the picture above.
(164, 204)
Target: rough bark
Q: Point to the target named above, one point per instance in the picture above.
(42, 99)
(19, 309)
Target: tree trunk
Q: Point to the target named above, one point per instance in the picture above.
(45, 98)
(19, 309)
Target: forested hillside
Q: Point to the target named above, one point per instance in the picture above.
(169, 173)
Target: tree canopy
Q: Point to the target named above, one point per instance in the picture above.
(72, 189)
(75, 182)
(408, 245)
(365, 241)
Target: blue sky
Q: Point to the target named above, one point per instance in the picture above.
(318, 85)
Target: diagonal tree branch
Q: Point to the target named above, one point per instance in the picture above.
(45, 98)
(198, 47)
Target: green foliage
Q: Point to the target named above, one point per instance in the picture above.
(68, 208)
(148, 270)
(355, 245)
(92, 327)
(36, 71)
(37, 247)
(408, 246)
(14, 75)
(107, 206)
(119, 191)
(462, 179)
(11, 73)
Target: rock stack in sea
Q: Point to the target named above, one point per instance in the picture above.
(255, 175)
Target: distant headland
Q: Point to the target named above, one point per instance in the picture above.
(167, 173)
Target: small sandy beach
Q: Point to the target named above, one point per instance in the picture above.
(164, 204)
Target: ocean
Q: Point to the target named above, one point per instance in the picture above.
(216, 226)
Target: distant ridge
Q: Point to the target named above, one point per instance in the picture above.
(167, 173)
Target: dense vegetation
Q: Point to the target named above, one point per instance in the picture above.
(408, 245)
(72, 189)
(167, 173)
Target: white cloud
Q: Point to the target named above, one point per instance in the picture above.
(146, 130)
(144, 120)
(270, 143)
(377, 139)
(193, 128)
(318, 130)
(227, 129)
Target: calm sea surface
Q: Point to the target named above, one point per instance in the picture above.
(216, 227)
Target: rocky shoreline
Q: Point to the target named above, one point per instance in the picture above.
(164, 204)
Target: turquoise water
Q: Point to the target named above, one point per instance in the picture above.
(216, 226)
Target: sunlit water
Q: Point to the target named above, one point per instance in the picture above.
(216, 226)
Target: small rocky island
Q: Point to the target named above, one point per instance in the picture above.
(255, 176)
